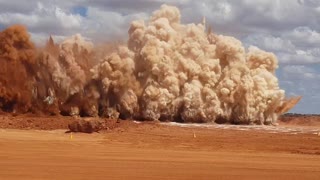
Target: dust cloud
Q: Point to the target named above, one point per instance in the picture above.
(166, 71)
(17, 57)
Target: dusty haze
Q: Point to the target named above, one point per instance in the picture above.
(165, 71)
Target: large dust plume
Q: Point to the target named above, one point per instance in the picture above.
(17, 57)
(166, 71)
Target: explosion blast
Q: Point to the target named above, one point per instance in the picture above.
(166, 71)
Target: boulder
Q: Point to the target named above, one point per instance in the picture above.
(87, 125)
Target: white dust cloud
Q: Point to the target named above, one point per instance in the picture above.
(173, 71)
(166, 71)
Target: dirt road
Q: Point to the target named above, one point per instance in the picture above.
(153, 151)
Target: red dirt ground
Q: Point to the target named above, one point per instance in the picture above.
(38, 148)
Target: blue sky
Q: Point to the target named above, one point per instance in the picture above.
(289, 28)
(81, 10)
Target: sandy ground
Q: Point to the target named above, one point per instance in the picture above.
(131, 150)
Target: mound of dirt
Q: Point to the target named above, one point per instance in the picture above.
(86, 125)
(300, 120)
(30, 121)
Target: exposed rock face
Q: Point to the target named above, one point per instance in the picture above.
(88, 125)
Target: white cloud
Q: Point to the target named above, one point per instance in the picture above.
(108, 24)
(270, 43)
(300, 57)
(304, 36)
(311, 3)
(295, 72)
(44, 18)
